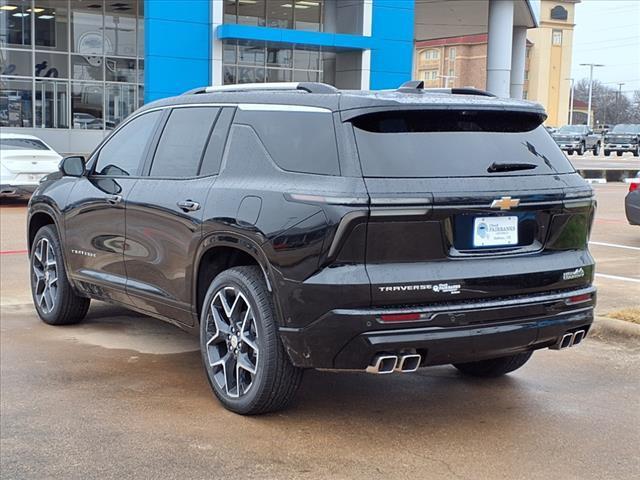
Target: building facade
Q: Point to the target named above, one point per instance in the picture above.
(71, 70)
(550, 59)
(456, 62)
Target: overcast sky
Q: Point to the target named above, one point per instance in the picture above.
(608, 32)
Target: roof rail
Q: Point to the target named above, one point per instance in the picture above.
(309, 87)
(415, 86)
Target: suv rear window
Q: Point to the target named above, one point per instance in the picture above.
(415, 143)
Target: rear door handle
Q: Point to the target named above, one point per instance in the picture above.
(114, 199)
(188, 205)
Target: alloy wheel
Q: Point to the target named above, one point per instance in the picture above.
(232, 342)
(45, 269)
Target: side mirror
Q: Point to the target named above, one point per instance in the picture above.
(72, 166)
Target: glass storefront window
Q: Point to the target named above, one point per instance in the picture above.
(230, 11)
(51, 104)
(120, 70)
(86, 105)
(51, 65)
(250, 53)
(16, 105)
(15, 23)
(51, 21)
(140, 28)
(57, 56)
(86, 29)
(278, 75)
(250, 12)
(280, 14)
(308, 15)
(15, 62)
(277, 56)
(121, 103)
(249, 62)
(86, 67)
(120, 28)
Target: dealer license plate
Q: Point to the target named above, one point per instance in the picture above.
(495, 231)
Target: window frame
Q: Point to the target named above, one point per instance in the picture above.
(153, 139)
(148, 163)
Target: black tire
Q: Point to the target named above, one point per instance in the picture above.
(275, 382)
(596, 150)
(580, 151)
(67, 308)
(569, 152)
(636, 152)
(619, 153)
(607, 153)
(495, 367)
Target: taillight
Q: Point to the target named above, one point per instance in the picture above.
(586, 297)
(635, 185)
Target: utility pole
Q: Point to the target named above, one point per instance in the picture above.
(571, 101)
(618, 102)
(591, 66)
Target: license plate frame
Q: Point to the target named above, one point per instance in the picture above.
(495, 231)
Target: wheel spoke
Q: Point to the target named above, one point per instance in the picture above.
(232, 346)
(45, 271)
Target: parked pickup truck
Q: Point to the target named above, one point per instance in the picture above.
(623, 138)
(578, 138)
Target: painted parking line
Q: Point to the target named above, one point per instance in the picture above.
(617, 277)
(13, 252)
(615, 245)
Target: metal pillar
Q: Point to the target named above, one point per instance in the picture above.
(518, 56)
(499, 47)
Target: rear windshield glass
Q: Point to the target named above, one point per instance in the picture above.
(625, 129)
(572, 129)
(21, 144)
(456, 144)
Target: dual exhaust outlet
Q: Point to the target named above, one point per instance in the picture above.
(395, 363)
(569, 340)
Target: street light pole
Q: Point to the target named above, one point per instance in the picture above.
(618, 102)
(571, 101)
(590, 65)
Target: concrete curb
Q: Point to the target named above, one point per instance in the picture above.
(610, 329)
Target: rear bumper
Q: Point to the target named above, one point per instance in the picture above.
(349, 339)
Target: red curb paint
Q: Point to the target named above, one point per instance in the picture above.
(13, 252)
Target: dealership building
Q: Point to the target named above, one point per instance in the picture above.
(71, 70)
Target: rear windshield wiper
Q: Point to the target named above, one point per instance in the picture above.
(510, 167)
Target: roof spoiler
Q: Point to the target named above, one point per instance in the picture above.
(308, 87)
(417, 86)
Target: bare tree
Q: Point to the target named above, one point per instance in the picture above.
(610, 106)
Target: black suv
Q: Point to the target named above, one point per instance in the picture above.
(296, 226)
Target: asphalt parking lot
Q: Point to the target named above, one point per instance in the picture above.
(122, 395)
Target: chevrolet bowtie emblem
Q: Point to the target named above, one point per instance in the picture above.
(505, 203)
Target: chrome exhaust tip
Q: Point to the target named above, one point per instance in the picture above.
(383, 364)
(578, 337)
(565, 342)
(408, 363)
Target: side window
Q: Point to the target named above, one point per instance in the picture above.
(298, 141)
(183, 139)
(122, 154)
(215, 148)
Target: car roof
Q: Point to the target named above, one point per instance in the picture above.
(355, 101)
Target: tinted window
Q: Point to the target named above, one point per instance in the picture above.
(623, 128)
(21, 144)
(298, 141)
(215, 148)
(122, 154)
(572, 129)
(391, 145)
(185, 134)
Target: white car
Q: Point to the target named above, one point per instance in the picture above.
(24, 160)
